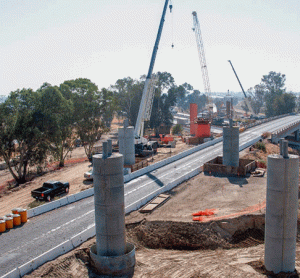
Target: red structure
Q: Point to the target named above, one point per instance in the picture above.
(203, 128)
(193, 117)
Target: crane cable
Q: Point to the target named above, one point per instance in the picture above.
(171, 7)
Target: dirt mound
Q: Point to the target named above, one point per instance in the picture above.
(190, 236)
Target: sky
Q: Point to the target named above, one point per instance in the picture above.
(103, 40)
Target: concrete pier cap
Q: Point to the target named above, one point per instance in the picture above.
(111, 255)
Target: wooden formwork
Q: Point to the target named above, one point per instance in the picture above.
(216, 166)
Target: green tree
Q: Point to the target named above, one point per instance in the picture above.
(278, 102)
(177, 129)
(109, 106)
(256, 97)
(196, 97)
(58, 118)
(164, 98)
(22, 132)
(88, 110)
(128, 95)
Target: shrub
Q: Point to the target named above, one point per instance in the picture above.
(177, 129)
(261, 146)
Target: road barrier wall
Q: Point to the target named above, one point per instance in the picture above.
(60, 202)
(171, 159)
(52, 254)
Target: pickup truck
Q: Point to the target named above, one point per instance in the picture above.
(50, 189)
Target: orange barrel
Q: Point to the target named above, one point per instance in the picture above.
(2, 226)
(23, 213)
(9, 222)
(15, 210)
(17, 219)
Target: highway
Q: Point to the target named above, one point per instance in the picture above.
(46, 231)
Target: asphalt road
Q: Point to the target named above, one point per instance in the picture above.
(46, 231)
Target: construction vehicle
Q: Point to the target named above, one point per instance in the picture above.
(210, 105)
(247, 101)
(144, 114)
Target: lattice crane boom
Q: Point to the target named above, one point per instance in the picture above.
(202, 59)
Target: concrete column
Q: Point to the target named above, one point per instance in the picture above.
(111, 254)
(126, 144)
(281, 211)
(231, 146)
(297, 135)
(193, 116)
(109, 204)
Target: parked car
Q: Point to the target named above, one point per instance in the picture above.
(89, 175)
(50, 189)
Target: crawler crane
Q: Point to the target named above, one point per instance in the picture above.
(148, 91)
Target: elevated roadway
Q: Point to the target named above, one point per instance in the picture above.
(46, 231)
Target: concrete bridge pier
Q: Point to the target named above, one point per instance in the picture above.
(231, 146)
(297, 135)
(111, 255)
(281, 211)
(126, 143)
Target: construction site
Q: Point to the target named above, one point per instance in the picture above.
(227, 242)
(219, 198)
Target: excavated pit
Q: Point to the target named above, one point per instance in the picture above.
(198, 236)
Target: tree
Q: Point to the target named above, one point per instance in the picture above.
(182, 91)
(128, 94)
(109, 106)
(196, 97)
(256, 97)
(164, 98)
(58, 120)
(88, 110)
(274, 82)
(22, 132)
(278, 102)
(177, 129)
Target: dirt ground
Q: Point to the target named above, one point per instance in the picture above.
(168, 242)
